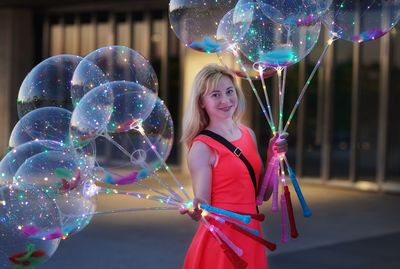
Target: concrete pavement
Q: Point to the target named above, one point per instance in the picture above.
(348, 229)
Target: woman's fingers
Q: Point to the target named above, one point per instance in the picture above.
(284, 135)
(183, 211)
(194, 213)
(281, 145)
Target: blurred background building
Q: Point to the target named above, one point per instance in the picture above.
(346, 132)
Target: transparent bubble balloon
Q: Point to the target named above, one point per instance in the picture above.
(232, 28)
(323, 6)
(114, 107)
(148, 144)
(112, 63)
(132, 102)
(195, 23)
(91, 115)
(292, 13)
(269, 44)
(29, 228)
(48, 84)
(76, 209)
(53, 172)
(18, 155)
(236, 23)
(84, 155)
(46, 123)
(360, 21)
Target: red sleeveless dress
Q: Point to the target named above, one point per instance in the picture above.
(232, 189)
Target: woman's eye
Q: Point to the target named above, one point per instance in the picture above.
(229, 92)
(215, 95)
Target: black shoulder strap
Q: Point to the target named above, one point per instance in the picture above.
(236, 151)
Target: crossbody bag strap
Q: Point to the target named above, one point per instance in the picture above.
(235, 151)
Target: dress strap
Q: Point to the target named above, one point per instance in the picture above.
(235, 150)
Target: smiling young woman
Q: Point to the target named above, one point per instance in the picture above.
(219, 177)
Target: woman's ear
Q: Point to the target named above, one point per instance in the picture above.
(201, 103)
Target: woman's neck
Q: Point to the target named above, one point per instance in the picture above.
(228, 129)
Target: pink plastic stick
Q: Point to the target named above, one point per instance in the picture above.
(214, 230)
(235, 248)
(284, 220)
(275, 193)
(266, 182)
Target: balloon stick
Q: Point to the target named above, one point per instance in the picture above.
(329, 43)
(243, 218)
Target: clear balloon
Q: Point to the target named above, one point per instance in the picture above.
(46, 123)
(76, 209)
(132, 103)
(48, 84)
(113, 63)
(292, 13)
(85, 155)
(114, 107)
(17, 156)
(195, 23)
(360, 21)
(232, 28)
(148, 146)
(236, 23)
(269, 44)
(323, 6)
(91, 115)
(29, 228)
(53, 172)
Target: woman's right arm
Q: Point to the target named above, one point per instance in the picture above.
(200, 160)
(200, 166)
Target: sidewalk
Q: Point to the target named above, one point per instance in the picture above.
(348, 229)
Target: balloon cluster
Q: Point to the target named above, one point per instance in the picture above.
(50, 177)
(265, 37)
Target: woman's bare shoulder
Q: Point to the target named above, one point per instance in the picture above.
(200, 153)
(251, 132)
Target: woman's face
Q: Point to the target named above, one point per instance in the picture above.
(220, 103)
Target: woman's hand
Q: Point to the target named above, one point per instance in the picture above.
(194, 213)
(278, 144)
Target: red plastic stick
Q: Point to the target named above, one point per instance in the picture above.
(293, 229)
(237, 262)
(259, 217)
(271, 246)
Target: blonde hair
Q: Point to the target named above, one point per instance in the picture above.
(195, 118)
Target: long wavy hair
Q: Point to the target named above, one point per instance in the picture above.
(195, 118)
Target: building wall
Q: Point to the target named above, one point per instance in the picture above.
(346, 131)
(16, 59)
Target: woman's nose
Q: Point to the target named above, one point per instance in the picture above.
(225, 98)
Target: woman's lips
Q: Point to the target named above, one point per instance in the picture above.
(226, 108)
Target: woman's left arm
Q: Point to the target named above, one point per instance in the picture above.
(276, 145)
